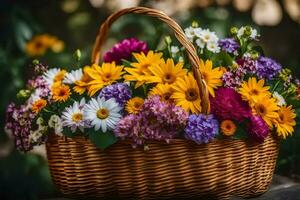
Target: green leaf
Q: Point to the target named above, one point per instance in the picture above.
(67, 132)
(102, 140)
(241, 132)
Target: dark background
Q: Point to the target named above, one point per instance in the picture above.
(75, 22)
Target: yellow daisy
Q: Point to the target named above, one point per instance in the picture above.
(140, 69)
(107, 74)
(38, 105)
(186, 94)
(165, 91)
(167, 72)
(61, 93)
(82, 85)
(134, 105)
(286, 121)
(267, 108)
(212, 76)
(253, 89)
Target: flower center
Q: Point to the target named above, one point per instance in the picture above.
(144, 67)
(261, 109)
(254, 92)
(281, 117)
(38, 45)
(166, 96)
(77, 117)
(169, 78)
(137, 105)
(107, 76)
(191, 94)
(205, 76)
(102, 113)
(62, 93)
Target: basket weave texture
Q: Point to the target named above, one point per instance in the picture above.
(179, 170)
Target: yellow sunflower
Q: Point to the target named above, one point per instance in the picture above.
(267, 108)
(38, 105)
(286, 121)
(166, 72)
(82, 85)
(212, 76)
(165, 91)
(253, 89)
(107, 74)
(61, 93)
(140, 69)
(134, 105)
(186, 94)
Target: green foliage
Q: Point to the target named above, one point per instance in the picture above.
(102, 140)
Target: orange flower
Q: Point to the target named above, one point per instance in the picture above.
(61, 93)
(228, 128)
(38, 105)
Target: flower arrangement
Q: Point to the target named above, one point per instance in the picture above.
(143, 95)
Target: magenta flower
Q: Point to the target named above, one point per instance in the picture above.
(258, 129)
(124, 50)
(228, 104)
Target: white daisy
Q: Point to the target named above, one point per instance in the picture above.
(174, 50)
(198, 32)
(190, 33)
(208, 36)
(200, 43)
(50, 74)
(73, 116)
(73, 76)
(102, 114)
(254, 34)
(280, 100)
(56, 123)
(213, 47)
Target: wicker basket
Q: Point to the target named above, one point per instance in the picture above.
(179, 170)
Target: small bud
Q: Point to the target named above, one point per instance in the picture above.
(254, 55)
(234, 30)
(195, 24)
(247, 31)
(35, 62)
(168, 40)
(77, 55)
(23, 94)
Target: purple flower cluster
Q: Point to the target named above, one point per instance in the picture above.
(120, 92)
(258, 128)
(248, 65)
(156, 121)
(267, 68)
(40, 86)
(201, 128)
(229, 45)
(234, 79)
(19, 123)
(124, 50)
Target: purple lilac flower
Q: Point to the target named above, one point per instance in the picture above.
(120, 91)
(156, 121)
(247, 64)
(258, 128)
(267, 68)
(201, 128)
(40, 86)
(19, 123)
(232, 80)
(124, 50)
(229, 45)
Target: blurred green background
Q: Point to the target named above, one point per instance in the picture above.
(75, 22)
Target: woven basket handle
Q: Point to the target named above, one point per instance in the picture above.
(179, 34)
